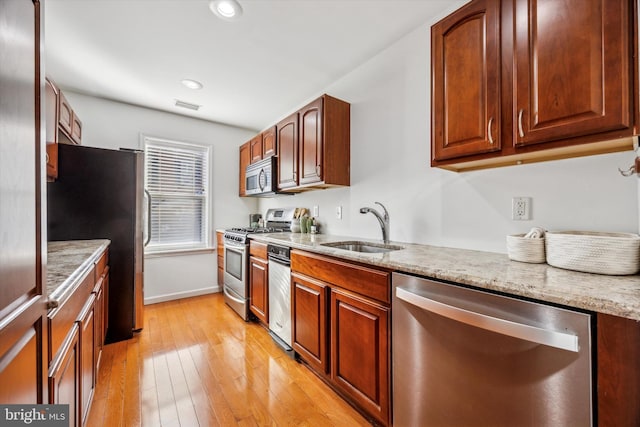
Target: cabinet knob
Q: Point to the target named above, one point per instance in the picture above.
(489, 130)
(318, 169)
(520, 130)
(47, 157)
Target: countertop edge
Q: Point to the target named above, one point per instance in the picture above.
(68, 286)
(539, 288)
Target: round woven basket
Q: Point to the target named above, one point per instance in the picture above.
(594, 252)
(524, 249)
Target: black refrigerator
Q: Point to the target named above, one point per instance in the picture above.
(99, 195)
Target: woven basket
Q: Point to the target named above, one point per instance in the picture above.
(594, 252)
(524, 249)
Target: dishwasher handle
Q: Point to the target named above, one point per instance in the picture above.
(530, 333)
(282, 261)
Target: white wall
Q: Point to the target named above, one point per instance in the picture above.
(109, 124)
(390, 151)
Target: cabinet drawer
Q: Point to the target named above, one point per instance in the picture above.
(62, 318)
(258, 249)
(101, 264)
(363, 280)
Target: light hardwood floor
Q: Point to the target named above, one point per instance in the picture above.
(196, 363)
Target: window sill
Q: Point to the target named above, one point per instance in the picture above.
(179, 252)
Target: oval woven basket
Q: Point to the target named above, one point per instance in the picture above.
(594, 252)
(523, 249)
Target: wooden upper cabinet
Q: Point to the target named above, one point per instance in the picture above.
(573, 72)
(65, 119)
(311, 142)
(255, 148)
(466, 81)
(287, 135)
(269, 142)
(522, 81)
(245, 159)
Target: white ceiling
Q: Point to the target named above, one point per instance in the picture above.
(254, 70)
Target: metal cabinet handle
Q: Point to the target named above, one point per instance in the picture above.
(318, 170)
(505, 327)
(146, 192)
(489, 130)
(520, 130)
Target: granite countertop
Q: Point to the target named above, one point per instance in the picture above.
(67, 262)
(616, 295)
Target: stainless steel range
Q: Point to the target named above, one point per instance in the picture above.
(236, 258)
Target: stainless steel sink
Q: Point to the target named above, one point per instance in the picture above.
(366, 247)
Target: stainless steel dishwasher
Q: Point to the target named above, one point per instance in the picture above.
(463, 357)
(280, 296)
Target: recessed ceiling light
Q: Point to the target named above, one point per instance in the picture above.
(229, 10)
(192, 84)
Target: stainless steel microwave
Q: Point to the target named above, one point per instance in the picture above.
(260, 178)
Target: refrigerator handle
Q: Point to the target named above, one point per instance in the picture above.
(505, 327)
(148, 239)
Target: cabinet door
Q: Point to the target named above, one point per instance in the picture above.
(269, 142)
(220, 248)
(466, 81)
(76, 129)
(245, 159)
(311, 140)
(87, 355)
(287, 134)
(360, 351)
(259, 288)
(255, 148)
(64, 382)
(309, 314)
(99, 325)
(572, 68)
(23, 302)
(65, 119)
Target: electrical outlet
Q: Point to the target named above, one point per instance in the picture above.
(339, 212)
(316, 211)
(521, 208)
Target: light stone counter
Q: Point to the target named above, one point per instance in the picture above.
(616, 295)
(67, 262)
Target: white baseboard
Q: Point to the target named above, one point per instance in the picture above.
(180, 295)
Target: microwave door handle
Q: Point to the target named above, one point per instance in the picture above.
(262, 180)
(501, 326)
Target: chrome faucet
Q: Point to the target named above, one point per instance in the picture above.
(383, 220)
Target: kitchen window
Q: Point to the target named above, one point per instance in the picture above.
(177, 188)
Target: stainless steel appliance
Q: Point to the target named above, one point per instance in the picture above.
(236, 257)
(468, 357)
(260, 177)
(99, 194)
(280, 296)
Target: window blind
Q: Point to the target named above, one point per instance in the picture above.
(177, 179)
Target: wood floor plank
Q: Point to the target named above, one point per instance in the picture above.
(197, 363)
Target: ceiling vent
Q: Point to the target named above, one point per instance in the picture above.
(187, 105)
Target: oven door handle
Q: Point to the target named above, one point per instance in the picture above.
(495, 324)
(239, 301)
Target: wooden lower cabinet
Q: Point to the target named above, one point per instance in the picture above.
(220, 249)
(88, 356)
(360, 351)
(310, 321)
(618, 379)
(259, 288)
(341, 334)
(64, 376)
(77, 329)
